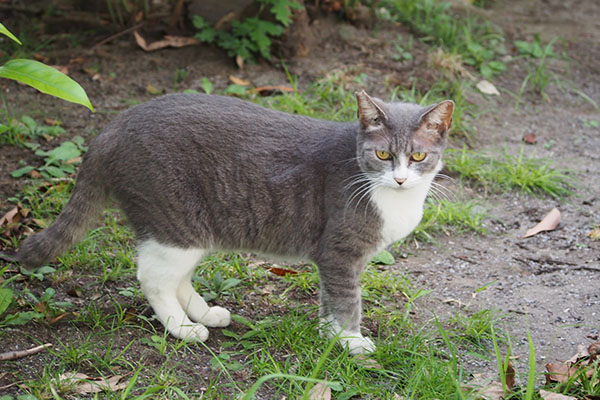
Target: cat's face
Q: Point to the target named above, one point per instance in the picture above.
(400, 145)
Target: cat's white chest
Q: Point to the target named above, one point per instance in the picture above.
(400, 211)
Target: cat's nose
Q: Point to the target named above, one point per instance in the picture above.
(400, 181)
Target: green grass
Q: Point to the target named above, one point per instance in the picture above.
(529, 175)
(479, 43)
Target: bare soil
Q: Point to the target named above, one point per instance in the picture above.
(548, 284)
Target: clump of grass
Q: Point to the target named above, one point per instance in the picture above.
(529, 175)
(442, 90)
(445, 216)
(478, 42)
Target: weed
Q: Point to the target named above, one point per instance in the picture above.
(58, 162)
(538, 77)
(478, 42)
(252, 36)
(216, 286)
(20, 132)
(530, 175)
(444, 216)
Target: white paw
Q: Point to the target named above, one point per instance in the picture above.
(190, 332)
(216, 317)
(358, 344)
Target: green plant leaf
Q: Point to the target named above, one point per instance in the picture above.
(45, 79)
(5, 31)
(6, 296)
(384, 257)
(22, 318)
(21, 172)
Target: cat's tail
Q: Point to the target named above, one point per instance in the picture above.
(87, 202)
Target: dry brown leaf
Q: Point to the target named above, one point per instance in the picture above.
(269, 90)
(281, 271)
(239, 61)
(487, 87)
(41, 58)
(530, 138)
(8, 218)
(549, 223)
(554, 396)
(51, 122)
(594, 349)
(35, 174)
(73, 160)
(559, 372)
(320, 392)
(367, 362)
(84, 384)
(168, 41)
(582, 352)
(595, 233)
(61, 68)
(239, 81)
(510, 376)
(486, 389)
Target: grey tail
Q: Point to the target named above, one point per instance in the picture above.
(82, 211)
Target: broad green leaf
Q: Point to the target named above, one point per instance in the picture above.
(6, 296)
(384, 257)
(65, 152)
(21, 172)
(21, 318)
(45, 79)
(8, 33)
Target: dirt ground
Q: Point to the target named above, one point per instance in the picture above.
(548, 284)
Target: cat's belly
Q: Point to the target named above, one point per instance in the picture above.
(400, 212)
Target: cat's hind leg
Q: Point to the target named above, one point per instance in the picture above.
(197, 309)
(161, 269)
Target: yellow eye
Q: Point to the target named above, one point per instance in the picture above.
(383, 155)
(418, 156)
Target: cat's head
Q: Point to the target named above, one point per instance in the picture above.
(400, 145)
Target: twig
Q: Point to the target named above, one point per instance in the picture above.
(116, 35)
(13, 355)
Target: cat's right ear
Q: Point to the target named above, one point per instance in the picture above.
(370, 114)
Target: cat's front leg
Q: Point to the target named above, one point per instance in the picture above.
(340, 309)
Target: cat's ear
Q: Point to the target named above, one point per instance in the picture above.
(437, 118)
(370, 110)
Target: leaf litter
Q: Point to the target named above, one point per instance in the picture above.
(548, 223)
(83, 384)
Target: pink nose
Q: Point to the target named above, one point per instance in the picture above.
(400, 180)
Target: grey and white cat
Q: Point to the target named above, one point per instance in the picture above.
(196, 173)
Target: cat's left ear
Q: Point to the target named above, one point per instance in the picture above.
(370, 110)
(437, 119)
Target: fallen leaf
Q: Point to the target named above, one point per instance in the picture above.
(594, 348)
(367, 362)
(9, 216)
(152, 90)
(57, 318)
(486, 389)
(582, 352)
(73, 160)
(41, 58)
(510, 376)
(493, 391)
(549, 223)
(559, 372)
(84, 384)
(554, 396)
(530, 138)
(168, 41)
(281, 271)
(269, 90)
(239, 61)
(61, 68)
(486, 87)
(239, 81)
(51, 122)
(35, 174)
(320, 392)
(595, 233)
